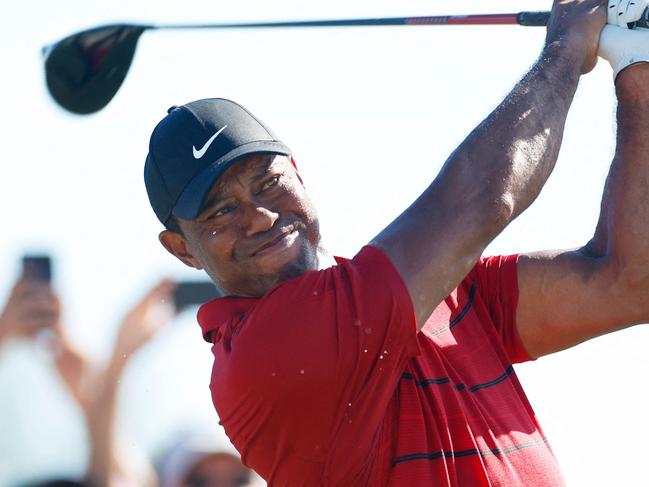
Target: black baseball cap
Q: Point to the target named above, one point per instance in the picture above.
(193, 146)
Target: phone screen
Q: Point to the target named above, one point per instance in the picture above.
(37, 268)
(194, 293)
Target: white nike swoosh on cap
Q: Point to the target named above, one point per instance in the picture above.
(200, 153)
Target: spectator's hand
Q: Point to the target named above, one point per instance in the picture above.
(32, 306)
(575, 26)
(145, 320)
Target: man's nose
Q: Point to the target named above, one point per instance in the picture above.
(260, 219)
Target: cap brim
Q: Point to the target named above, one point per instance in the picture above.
(190, 201)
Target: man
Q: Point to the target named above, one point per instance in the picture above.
(394, 368)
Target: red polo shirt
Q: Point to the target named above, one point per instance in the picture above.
(324, 381)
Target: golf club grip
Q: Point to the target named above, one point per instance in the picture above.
(642, 22)
(533, 19)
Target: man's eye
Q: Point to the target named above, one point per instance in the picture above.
(223, 211)
(270, 183)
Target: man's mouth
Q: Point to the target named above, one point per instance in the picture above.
(281, 241)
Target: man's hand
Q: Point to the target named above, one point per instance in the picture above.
(574, 27)
(623, 47)
(31, 307)
(625, 12)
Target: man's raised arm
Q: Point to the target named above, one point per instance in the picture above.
(499, 169)
(568, 297)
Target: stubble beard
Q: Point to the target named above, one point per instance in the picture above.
(307, 260)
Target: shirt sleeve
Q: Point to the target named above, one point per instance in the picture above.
(314, 362)
(496, 279)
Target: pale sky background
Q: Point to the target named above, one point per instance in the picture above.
(370, 113)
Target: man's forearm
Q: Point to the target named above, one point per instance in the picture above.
(490, 178)
(499, 169)
(510, 155)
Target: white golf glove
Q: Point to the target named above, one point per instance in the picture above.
(622, 47)
(624, 12)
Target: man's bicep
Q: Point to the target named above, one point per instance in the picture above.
(565, 298)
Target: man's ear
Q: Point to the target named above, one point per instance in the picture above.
(176, 245)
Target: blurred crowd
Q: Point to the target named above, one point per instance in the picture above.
(196, 459)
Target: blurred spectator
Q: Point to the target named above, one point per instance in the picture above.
(207, 461)
(59, 483)
(32, 306)
(96, 390)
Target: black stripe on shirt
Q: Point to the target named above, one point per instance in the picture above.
(425, 382)
(467, 453)
(493, 382)
(455, 321)
(460, 386)
(466, 308)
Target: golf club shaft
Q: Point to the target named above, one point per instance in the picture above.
(521, 18)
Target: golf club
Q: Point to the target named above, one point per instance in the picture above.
(85, 70)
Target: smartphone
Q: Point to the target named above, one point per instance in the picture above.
(37, 268)
(194, 293)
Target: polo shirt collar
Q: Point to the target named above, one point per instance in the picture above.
(220, 311)
(217, 313)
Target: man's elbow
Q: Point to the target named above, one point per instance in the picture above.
(495, 212)
(634, 278)
(629, 280)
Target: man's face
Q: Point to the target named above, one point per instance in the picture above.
(257, 227)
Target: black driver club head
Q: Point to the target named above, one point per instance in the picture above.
(84, 71)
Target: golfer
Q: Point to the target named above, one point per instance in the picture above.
(394, 368)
